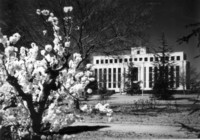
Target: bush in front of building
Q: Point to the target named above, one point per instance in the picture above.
(132, 85)
(105, 93)
(132, 89)
(161, 90)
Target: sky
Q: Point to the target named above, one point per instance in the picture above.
(171, 17)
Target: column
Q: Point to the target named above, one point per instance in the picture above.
(147, 77)
(142, 76)
(122, 78)
(117, 88)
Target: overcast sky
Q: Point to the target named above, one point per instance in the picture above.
(170, 17)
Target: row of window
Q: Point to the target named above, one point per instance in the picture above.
(151, 59)
(169, 75)
(113, 77)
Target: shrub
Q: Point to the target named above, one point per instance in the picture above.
(133, 88)
(161, 90)
(105, 93)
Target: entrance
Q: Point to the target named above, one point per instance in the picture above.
(134, 74)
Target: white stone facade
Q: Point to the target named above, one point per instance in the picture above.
(110, 70)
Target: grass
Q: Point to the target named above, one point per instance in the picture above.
(143, 110)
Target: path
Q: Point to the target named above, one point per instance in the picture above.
(127, 99)
(174, 131)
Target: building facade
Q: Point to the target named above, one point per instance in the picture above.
(110, 70)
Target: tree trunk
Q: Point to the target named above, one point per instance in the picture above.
(36, 126)
(77, 104)
(36, 137)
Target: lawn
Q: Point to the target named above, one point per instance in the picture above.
(141, 117)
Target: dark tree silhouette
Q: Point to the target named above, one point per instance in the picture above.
(106, 26)
(195, 83)
(195, 32)
(164, 81)
(131, 85)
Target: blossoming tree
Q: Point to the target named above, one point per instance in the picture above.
(40, 85)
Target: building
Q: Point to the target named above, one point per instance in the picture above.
(110, 70)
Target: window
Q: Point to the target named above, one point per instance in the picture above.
(114, 77)
(134, 74)
(130, 59)
(135, 59)
(151, 59)
(172, 77)
(106, 61)
(97, 61)
(156, 58)
(172, 58)
(138, 52)
(185, 56)
(111, 61)
(115, 60)
(104, 78)
(140, 59)
(177, 76)
(100, 78)
(96, 73)
(109, 78)
(125, 60)
(155, 74)
(167, 58)
(150, 77)
(145, 59)
(120, 60)
(101, 61)
(178, 57)
(119, 77)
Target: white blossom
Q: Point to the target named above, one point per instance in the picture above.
(33, 72)
(67, 44)
(44, 32)
(92, 79)
(67, 9)
(51, 14)
(56, 41)
(11, 118)
(56, 28)
(54, 21)
(50, 19)
(66, 137)
(88, 66)
(88, 73)
(38, 11)
(9, 51)
(48, 48)
(45, 12)
(84, 108)
(83, 79)
(78, 75)
(89, 91)
(14, 38)
(4, 40)
(43, 52)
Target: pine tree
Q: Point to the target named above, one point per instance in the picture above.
(164, 77)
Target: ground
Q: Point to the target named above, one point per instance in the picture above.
(141, 117)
